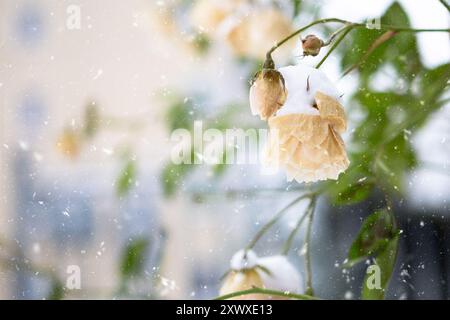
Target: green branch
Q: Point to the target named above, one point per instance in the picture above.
(272, 221)
(378, 42)
(268, 292)
(334, 34)
(334, 46)
(308, 269)
(445, 4)
(291, 237)
(354, 25)
(298, 31)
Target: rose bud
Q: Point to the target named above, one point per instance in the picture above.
(243, 275)
(249, 271)
(267, 93)
(311, 45)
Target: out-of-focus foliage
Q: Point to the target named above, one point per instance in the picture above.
(133, 258)
(181, 114)
(385, 260)
(378, 237)
(56, 290)
(126, 179)
(172, 176)
(381, 152)
(91, 120)
(376, 232)
(296, 7)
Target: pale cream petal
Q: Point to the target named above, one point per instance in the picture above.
(267, 93)
(307, 147)
(243, 280)
(331, 110)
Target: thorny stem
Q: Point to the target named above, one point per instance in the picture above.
(291, 237)
(334, 46)
(354, 25)
(309, 288)
(268, 292)
(275, 218)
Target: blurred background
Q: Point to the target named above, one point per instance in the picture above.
(91, 91)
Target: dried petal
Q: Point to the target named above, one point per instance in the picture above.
(267, 93)
(331, 109)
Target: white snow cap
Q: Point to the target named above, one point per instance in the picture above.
(244, 259)
(302, 83)
(283, 275)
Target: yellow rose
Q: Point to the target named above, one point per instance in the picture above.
(69, 143)
(207, 15)
(254, 34)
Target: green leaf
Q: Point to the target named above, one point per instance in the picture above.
(57, 290)
(355, 193)
(297, 6)
(434, 83)
(396, 159)
(202, 43)
(401, 51)
(376, 232)
(172, 177)
(126, 178)
(354, 185)
(91, 120)
(133, 258)
(385, 260)
(181, 114)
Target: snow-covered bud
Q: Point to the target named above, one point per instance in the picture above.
(311, 45)
(268, 91)
(280, 274)
(242, 280)
(243, 275)
(248, 271)
(244, 259)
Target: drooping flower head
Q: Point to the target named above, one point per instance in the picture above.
(305, 132)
